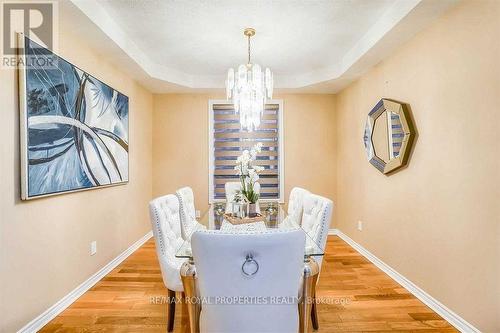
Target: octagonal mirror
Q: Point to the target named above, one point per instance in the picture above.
(389, 135)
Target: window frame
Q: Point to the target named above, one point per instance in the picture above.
(211, 161)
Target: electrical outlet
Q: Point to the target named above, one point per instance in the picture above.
(198, 214)
(93, 248)
(360, 225)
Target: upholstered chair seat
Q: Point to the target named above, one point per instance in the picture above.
(165, 221)
(187, 212)
(245, 227)
(252, 267)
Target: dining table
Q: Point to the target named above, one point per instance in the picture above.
(274, 217)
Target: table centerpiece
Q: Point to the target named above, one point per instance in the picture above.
(249, 175)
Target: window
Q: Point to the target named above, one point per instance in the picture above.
(227, 141)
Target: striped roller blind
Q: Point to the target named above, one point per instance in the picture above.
(229, 141)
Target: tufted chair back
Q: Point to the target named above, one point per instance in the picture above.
(164, 215)
(316, 218)
(231, 189)
(221, 259)
(296, 203)
(187, 210)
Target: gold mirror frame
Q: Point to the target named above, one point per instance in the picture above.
(408, 132)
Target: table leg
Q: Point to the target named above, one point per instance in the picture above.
(314, 313)
(188, 277)
(310, 277)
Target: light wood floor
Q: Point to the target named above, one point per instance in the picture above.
(357, 297)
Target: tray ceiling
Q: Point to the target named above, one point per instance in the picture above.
(311, 46)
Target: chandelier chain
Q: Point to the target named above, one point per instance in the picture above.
(249, 49)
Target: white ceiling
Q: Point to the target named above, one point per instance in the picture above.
(205, 38)
(311, 46)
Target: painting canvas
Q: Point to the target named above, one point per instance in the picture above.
(74, 127)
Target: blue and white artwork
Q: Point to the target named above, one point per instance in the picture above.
(75, 130)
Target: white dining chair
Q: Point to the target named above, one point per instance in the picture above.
(296, 204)
(187, 212)
(231, 188)
(316, 218)
(259, 266)
(165, 222)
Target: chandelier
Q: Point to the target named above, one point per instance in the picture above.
(249, 88)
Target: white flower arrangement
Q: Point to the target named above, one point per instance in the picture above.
(249, 173)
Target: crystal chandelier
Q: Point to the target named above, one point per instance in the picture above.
(249, 88)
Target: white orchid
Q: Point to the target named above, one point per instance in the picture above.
(258, 168)
(253, 175)
(248, 172)
(255, 150)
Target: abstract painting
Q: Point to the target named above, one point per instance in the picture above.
(74, 127)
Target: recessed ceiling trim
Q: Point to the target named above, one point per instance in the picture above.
(352, 61)
(100, 17)
(384, 24)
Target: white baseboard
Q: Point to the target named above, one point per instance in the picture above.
(66, 301)
(458, 322)
(333, 232)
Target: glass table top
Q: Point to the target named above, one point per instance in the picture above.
(275, 218)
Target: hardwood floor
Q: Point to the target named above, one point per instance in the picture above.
(355, 297)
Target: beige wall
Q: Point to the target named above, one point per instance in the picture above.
(180, 151)
(436, 222)
(44, 243)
